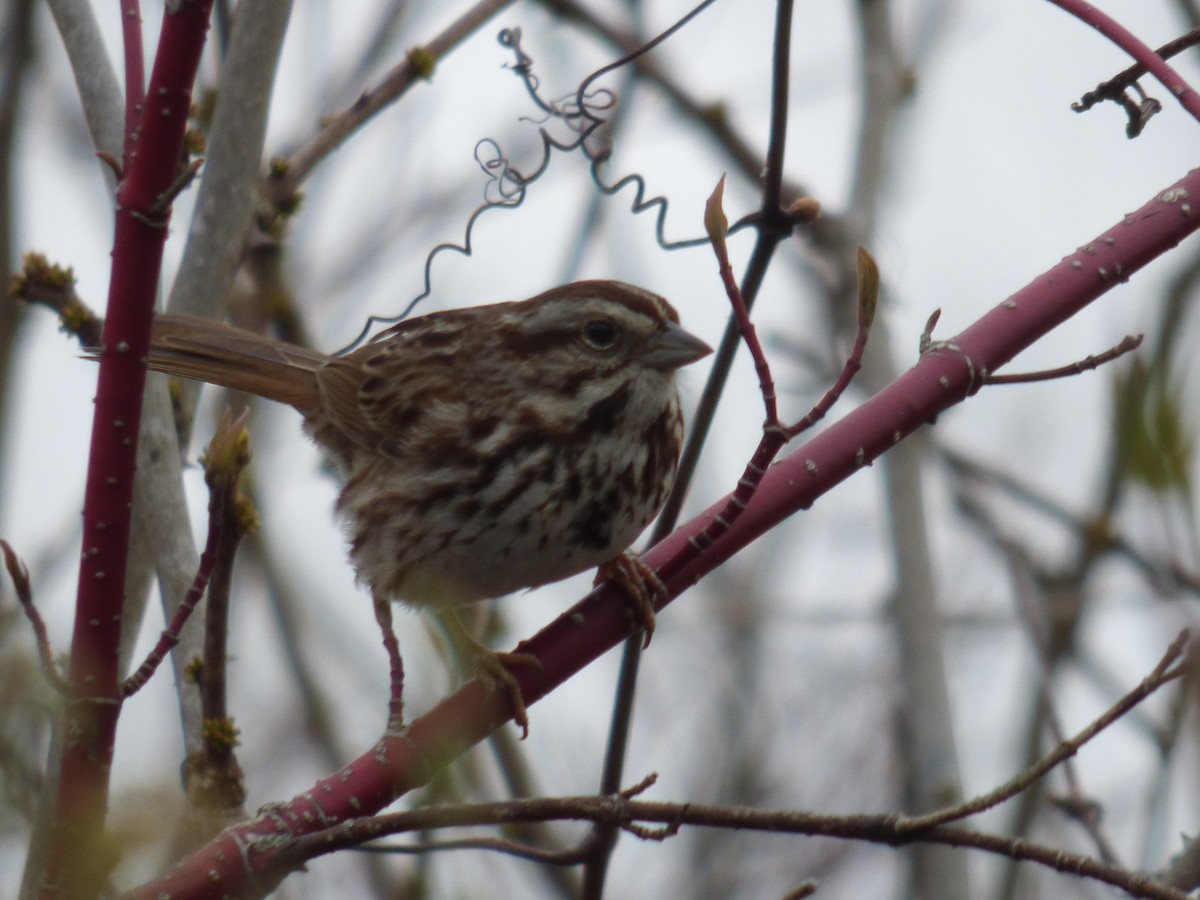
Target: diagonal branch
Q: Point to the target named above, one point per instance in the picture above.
(941, 379)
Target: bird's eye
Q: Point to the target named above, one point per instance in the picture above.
(600, 334)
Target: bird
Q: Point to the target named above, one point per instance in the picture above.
(484, 449)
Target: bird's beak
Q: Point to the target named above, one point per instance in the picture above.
(674, 348)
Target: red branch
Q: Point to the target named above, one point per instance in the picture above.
(169, 639)
(235, 862)
(776, 434)
(1143, 53)
(135, 75)
(77, 858)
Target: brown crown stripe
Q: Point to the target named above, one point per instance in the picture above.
(633, 298)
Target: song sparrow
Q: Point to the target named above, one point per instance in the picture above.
(485, 449)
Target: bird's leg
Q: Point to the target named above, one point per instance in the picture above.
(490, 667)
(383, 615)
(642, 586)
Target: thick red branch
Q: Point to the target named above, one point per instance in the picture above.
(77, 856)
(947, 374)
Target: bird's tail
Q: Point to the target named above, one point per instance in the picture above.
(206, 350)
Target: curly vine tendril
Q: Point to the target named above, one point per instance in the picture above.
(583, 113)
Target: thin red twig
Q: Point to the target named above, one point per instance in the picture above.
(717, 226)
(169, 639)
(218, 522)
(868, 300)
(775, 433)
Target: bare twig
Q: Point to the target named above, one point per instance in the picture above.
(219, 514)
(775, 433)
(52, 285)
(212, 775)
(1114, 89)
(1164, 672)
(227, 457)
(1146, 57)
(570, 856)
(418, 65)
(1052, 640)
(19, 574)
(1127, 344)
(625, 814)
